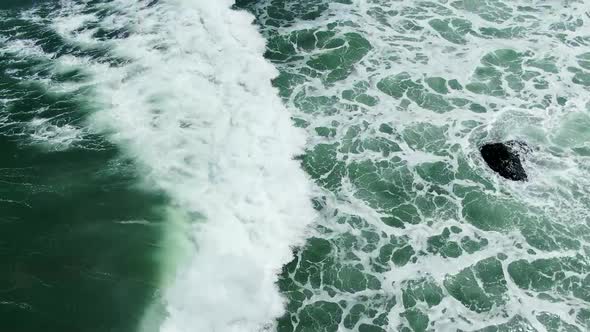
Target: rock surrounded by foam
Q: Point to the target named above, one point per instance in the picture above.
(505, 159)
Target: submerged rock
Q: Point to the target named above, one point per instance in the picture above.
(505, 159)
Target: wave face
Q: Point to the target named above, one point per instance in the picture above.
(183, 88)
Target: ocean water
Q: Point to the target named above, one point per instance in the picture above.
(293, 166)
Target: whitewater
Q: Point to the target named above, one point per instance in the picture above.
(190, 98)
(196, 107)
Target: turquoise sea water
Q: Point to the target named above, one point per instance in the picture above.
(171, 166)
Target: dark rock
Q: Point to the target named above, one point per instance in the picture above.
(505, 159)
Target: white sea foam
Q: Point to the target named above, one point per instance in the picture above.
(195, 106)
(25, 48)
(192, 102)
(58, 137)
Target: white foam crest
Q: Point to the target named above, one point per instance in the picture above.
(25, 48)
(196, 107)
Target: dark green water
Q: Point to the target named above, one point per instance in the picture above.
(67, 264)
(69, 259)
